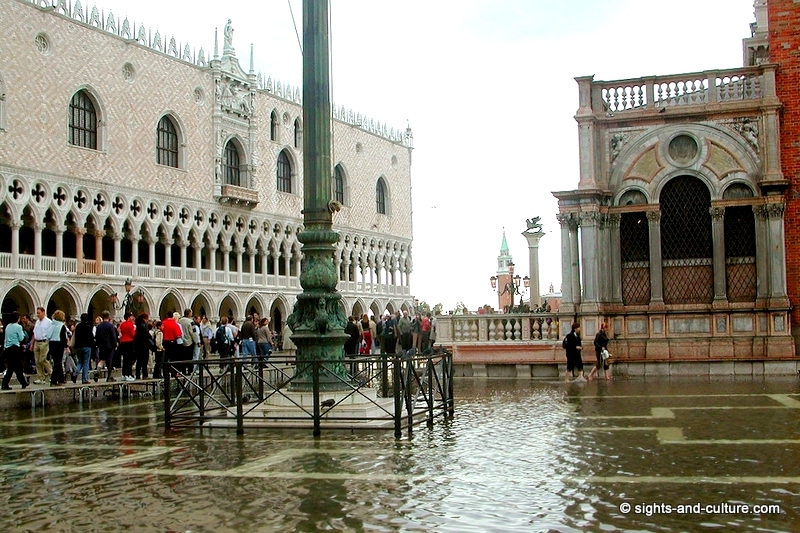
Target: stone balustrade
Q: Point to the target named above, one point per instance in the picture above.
(502, 328)
(681, 90)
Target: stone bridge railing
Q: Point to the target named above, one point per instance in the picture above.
(504, 328)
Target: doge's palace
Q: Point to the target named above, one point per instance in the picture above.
(126, 155)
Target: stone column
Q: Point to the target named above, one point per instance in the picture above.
(239, 264)
(656, 270)
(777, 253)
(212, 253)
(15, 225)
(198, 257)
(264, 268)
(762, 254)
(184, 244)
(37, 245)
(565, 220)
(59, 230)
(168, 257)
(718, 251)
(98, 252)
(575, 262)
(79, 233)
(135, 255)
(615, 274)
(533, 238)
(225, 249)
(117, 252)
(590, 256)
(252, 253)
(151, 241)
(276, 259)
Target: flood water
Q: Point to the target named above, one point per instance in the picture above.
(520, 455)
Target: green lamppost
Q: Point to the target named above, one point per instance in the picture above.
(317, 321)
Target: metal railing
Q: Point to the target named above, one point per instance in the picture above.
(393, 391)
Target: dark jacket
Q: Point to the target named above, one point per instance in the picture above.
(573, 341)
(600, 341)
(84, 338)
(105, 335)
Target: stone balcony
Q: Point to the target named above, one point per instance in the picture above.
(710, 91)
(239, 196)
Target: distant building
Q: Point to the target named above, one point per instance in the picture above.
(676, 233)
(126, 154)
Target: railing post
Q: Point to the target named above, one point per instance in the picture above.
(167, 410)
(449, 358)
(398, 396)
(238, 388)
(713, 92)
(315, 396)
(384, 375)
(429, 369)
(200, 366)
(409, 373)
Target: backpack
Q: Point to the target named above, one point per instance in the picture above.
(388, 329)
(221, 336)
(564, 343)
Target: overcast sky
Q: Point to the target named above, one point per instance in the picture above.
(488, 89)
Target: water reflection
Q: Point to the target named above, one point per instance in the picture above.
(519, 456)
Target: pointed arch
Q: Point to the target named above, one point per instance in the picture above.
(170, 141)
(86, 119)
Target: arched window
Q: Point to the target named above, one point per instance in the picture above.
(232, 172)
(167, 143)
(686, 242)
(338, 184)
(740, 253)
(298, 134)
(82, 121)
(634, 240)
(284, 173)
(380, 197)
(273, 125)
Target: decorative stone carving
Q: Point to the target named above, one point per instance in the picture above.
(775, 210)
(654, 216)
(569, 220)
(618, 141)
(717, 213)
(141, 38)
(94, 18)
(227, 43)
(683, 150)
(747, 128)
(125, 33)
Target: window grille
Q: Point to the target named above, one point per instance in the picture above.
(284, 173)
(167, 143)
(82, 121)
(380, 197)
(634, 236)
(686, 242)
(338, 184)
(740, 253)
(232, 164)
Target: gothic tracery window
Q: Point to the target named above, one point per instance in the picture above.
(380, 197)
(232, 165)
(284, 173)
(338, 184)
(167, 143)
(82, 121)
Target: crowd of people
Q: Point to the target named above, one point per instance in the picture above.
(54, 349)
(390, 333)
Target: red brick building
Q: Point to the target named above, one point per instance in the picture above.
(783, 30)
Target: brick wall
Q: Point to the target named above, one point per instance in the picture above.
(784, 43)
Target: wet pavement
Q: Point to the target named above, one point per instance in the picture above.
(520, 455)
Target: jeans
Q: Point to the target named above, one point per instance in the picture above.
(264, 350)
(248, 348)
(84, 354)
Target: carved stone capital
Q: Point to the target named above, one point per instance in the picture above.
(613, 220)
(775, 210)
(654, 217)
(568, 220)
(590, 219)
(717, 213)
(760, 212)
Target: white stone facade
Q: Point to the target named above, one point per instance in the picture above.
(75, 222)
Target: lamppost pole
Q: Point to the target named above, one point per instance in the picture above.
(317, 321)
(513, 286)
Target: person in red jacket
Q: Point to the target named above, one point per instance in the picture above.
(171, 331)
(127, 331)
